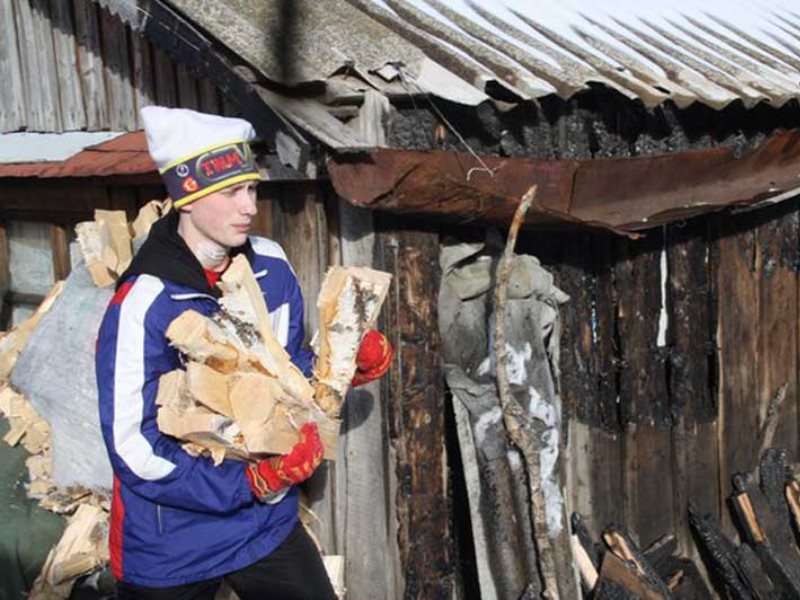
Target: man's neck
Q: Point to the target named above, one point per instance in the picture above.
(211, 255)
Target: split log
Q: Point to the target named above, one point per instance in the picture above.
(620, 544)
(90, 241)
(116, 253)
(241, 387)
(82, 549)
(26, 426)
(349, 302)
(770, 535)
(13, 342)
(148, 214)
(243, 300)
(106, 245)
(619, 582)
(739, 569)
(107, 241)
(334, 566)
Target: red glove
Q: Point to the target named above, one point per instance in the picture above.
(277, 472)
(373, 358)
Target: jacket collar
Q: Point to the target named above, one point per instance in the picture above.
(165, 255)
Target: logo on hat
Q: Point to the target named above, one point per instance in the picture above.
(222, 163)
(182, 170)
(189, 185)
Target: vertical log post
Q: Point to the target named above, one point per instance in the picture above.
(416, 413)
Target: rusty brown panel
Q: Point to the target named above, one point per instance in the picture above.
(124, 155)
(452, 183)
(618, 194)
(416, 413)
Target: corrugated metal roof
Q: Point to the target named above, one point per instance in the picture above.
(713, 52)
(124, 155)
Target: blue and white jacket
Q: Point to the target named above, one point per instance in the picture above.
(176, 519)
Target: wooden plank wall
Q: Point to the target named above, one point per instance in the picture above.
(69, 65)
(654, 420)
(654, 425)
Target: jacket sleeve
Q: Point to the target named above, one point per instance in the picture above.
(132, 353)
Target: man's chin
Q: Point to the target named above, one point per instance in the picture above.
(236, 240)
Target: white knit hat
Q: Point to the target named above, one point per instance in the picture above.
(198, 153)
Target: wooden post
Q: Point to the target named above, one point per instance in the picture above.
(588, 380)
(737, 340)
(648, 498)
(59, 242)
(776, 264)
(416, 413)
(694, 434)
(364, 507)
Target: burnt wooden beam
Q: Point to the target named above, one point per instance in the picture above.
(739, 573)
(416, 412)
(643, 399)
(737, 339)
(770, 535)
(583, 270)
(776, 261)
(621, 544)
(690, 348)
(775, 474)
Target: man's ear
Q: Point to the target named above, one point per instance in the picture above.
(186, 208)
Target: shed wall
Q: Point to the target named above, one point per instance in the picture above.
(69, 65)
(672, 348)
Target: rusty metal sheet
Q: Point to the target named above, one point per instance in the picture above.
(624, 195)
(124, 155)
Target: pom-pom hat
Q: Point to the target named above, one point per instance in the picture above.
(197, 153)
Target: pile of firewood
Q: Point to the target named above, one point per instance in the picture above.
(235, 357)
(766, 505)
(618, 569)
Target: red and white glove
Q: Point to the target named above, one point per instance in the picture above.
(272, 474)
(373, 359)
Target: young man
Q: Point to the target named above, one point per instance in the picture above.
(179, 524)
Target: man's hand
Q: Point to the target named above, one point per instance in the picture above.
(373, 358)
(273, 474)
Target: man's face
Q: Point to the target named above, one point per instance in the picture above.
(225, 217)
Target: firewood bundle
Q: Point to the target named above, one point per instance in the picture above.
(619, 570)
(107, 242)
(240, 395)
(767, 562)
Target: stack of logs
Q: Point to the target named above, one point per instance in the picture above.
(765, 564)
(619, 570)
